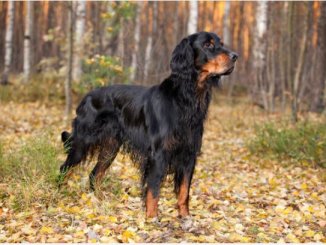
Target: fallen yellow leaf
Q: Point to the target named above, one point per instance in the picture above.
(309, 233)
(79, 234)
(292, 238)
(272, 182)
(46, 230)
(304, 186)
(84, 197)
(73, 210)
(126, 235)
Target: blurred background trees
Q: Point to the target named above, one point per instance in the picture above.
(282, 45)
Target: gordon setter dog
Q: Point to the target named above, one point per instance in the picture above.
(161, 126)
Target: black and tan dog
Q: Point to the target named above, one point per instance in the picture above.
(161, 125)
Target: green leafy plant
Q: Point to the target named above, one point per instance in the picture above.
(305, 142)
(102, 70)
(35, 159)
(118, 11)
(31, 169)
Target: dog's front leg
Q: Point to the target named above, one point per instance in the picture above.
(183, 177)
(154, 176)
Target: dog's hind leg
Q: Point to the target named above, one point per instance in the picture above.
(107, 154)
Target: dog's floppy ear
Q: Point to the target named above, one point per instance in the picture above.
(66, 140)
(182, 57)
(65, 136)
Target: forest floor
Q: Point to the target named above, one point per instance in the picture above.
(235, 196)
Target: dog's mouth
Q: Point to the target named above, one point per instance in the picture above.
(214, 79)
(228, 71)
(225, 73)
(218, 75)
(214, 75)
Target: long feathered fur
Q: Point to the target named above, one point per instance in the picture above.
(160, 126)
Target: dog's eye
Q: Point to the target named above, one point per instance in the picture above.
(208, 45)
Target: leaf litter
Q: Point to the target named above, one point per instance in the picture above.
(235, 196)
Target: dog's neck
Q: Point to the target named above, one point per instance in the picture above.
(191, 90)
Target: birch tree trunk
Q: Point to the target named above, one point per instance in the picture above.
(68, 94)
(226, 24)
(149, 40)
(8, 41)
(261, 26)
(28, 40)
(80, 29)
(259, 52)
(136, 42)
(151, 33)
(227, 40)
(193, 17)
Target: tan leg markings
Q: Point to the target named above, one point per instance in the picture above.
(183, 199)
(151, 205)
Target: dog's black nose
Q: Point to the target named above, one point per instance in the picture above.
(234, 56)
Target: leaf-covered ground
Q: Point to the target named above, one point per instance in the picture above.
(235, 197)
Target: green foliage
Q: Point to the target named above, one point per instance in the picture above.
(118, 11)
(100, 71)
(30, 169)
(305, 142)
(34, 160)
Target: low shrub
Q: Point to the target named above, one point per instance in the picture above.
(305, 142)
(29, 172)
(101, 71)
(34, 159)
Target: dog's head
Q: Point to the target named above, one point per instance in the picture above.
(204, 53)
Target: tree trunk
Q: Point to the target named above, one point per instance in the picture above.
(136, 42)
(8, 41)
(298, 71)
(193, 17)
(282, 58)
(149, 44)
(226, 24)
(318, 104)
(176, 25)
(98, 27)
(68, 93)
(259, 51)
(28, 40)
(155, 36)
(80, 30)
(289, 73)
(120, 48)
